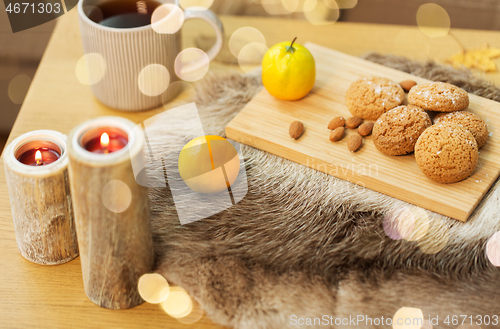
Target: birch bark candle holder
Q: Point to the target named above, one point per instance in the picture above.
(36, 170)
(111, 210)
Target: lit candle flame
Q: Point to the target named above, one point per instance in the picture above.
(104, 140)
(38, 158)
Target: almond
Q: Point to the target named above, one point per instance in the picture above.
(407, 85)
(354, 142)
(337, 134)
(353, 122)
(336, 122)
(365, 129)
(296, 129)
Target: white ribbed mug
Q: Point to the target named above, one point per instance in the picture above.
(124, 52)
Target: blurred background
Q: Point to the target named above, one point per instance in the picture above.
(20, 53)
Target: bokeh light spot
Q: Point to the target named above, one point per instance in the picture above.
(493, 249)
(274, 7)
(398, 222)
(116, 196)
(251, 55)
(427, 325)
(153, 288)
(412, 224)
(196, 4)
(318, 13)
(290, 5)
(154, 80)
(90, 69)
(178, 304)
(390, 224)
(293, 6)
(18, 88)
(436, 238)
(310, 4)
(167, 19)
(184, 91)
(244, 36)
(331, 4)
(405, 222)
(9, 64)
(191, 64)
(433, 20)
(420, 225)
(195, 315)
(411, 318)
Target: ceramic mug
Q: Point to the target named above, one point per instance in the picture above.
(123, 62)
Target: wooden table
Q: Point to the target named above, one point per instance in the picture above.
(53, 296)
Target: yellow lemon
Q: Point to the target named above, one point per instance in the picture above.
(288, 71)
(209, 164)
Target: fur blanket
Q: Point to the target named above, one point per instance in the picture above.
(303, 244)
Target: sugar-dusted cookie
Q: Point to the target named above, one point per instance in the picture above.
(439, 97)
(470, 121)
(368, 98)
(396, 131)
(446, 153)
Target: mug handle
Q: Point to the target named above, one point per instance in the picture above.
(211, 18)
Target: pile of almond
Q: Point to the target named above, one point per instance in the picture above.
(338, 127)
(339, 124)
(354, 142)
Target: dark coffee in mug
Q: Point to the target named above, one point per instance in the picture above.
(122, 13)
(128, 66)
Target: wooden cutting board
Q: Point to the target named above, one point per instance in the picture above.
(264, 123)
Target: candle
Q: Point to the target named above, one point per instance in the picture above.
(108, 141)
(36, 169)
(109, 202)
(39, 156)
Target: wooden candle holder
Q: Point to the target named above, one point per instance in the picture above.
(111, 214)
(40, 200)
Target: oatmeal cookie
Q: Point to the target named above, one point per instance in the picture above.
(446, 153)
(439, 97)
(470, 121)
(396, 131)
(368, 98)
